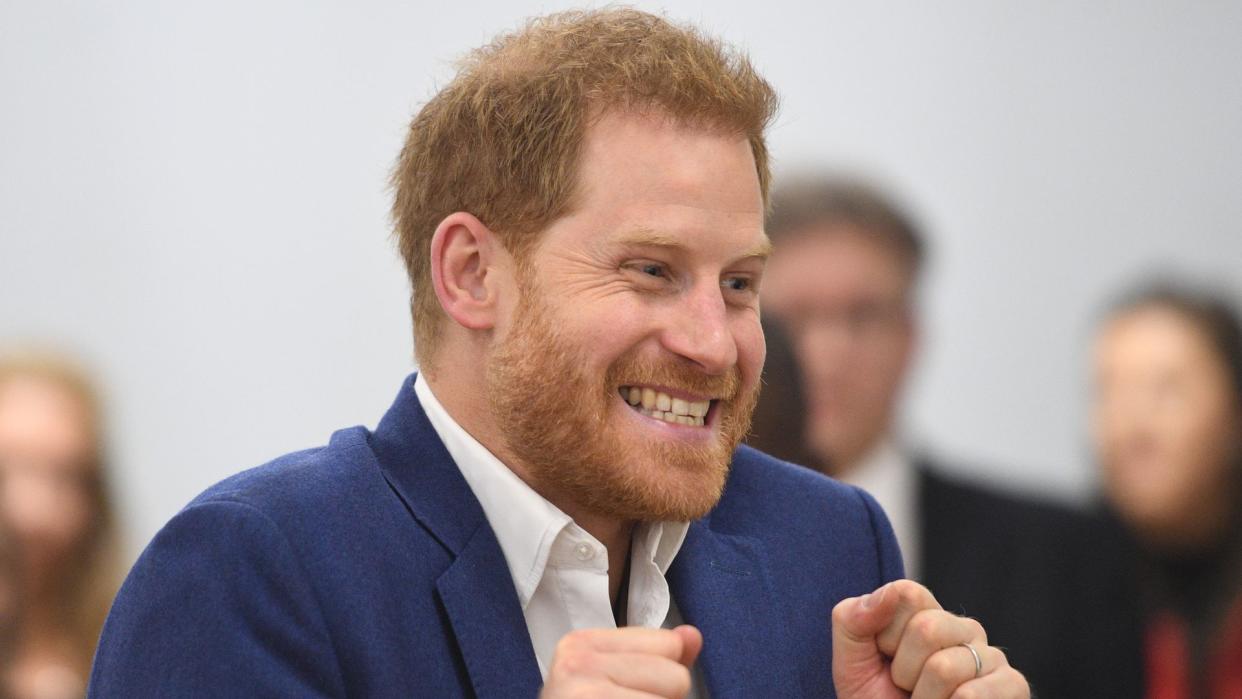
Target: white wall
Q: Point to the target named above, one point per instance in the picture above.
(193, 196)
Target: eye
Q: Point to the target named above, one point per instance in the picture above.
(653, 269)
(737, 284)
(645, 268)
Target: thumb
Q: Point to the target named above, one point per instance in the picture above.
(691, 643)
(856, 621)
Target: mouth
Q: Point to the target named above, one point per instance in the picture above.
(658, 404)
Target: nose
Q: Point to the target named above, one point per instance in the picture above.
(699, 331)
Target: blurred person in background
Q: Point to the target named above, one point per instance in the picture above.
(9, 606)
(55, 505)
(1168, 434)
(843, 280)
(780, 414)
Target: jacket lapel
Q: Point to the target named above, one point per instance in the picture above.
(487, 620)
(476, 589)
(721, 586)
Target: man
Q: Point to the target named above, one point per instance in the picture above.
(555, 500)
(843, 279)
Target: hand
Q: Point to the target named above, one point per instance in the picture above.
(630, 662)
(898, 642)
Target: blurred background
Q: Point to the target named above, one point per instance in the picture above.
(193, 201)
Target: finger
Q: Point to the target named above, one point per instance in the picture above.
(646, 673)
(949, 668)
(926, 633)
(859, 619)
(630, 639)
(856, 661)
(909, 599)
(692, 644)
(1004, 683)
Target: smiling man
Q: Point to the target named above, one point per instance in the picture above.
(556, 504)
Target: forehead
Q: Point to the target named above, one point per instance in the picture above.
(835, 262)
(1152, 338)
(36, 411)
(645, 173)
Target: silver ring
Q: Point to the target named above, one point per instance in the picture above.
(978, 660)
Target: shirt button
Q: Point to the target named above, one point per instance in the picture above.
(584, 552)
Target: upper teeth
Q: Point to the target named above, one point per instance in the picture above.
(662, 406)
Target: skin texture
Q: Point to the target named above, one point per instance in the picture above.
(651, 278)
(844, 298)
(1167, 428)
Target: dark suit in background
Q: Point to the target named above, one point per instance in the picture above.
(1048, 583)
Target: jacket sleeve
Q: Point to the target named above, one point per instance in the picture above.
(218, 605)
(887, 550)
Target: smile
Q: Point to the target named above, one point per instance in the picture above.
(661, 406)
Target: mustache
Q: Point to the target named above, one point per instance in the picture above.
(630, 371)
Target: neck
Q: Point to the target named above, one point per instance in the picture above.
(615, 535)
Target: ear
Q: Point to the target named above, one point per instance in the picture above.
(464, 254)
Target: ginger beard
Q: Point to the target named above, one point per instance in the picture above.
(561, 423)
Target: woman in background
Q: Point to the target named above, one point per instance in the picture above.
(1168, 433)
(55, 505)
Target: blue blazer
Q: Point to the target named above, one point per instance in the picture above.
(366, 568)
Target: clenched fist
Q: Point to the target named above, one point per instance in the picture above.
(898, 642)
(629, 663)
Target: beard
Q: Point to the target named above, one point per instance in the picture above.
(558, 420)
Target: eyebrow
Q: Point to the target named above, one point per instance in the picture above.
(647, 237)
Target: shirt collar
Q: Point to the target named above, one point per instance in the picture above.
(525, 523)
(888, 474)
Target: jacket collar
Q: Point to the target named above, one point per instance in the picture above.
(476, 589)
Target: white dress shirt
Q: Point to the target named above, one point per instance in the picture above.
(559, 570)
(888, 475)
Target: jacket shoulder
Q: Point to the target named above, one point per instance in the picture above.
(762, 487)
(802, 513)
(298, 479)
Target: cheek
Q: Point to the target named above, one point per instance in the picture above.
(609, 324)
(752, 350)
(42, 509)
(1204, 442)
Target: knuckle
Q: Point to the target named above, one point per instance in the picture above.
(906, 589)
(924, 623)
(578, 662)
(838, 611)
(977, 628)
(913, 593)
(941, 666)
(568, 643)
